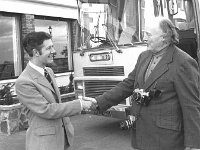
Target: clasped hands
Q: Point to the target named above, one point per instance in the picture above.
(88, 103)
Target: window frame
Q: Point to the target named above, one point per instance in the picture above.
(16, 51)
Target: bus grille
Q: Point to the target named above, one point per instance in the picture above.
(104, 71)
(96, 88)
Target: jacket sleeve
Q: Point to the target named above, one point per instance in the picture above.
(187, 87)
(119, 93)
(29, 95)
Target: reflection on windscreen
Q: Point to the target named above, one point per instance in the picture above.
(124, 22)
(106, 25)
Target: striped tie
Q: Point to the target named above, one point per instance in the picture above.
(46, 74)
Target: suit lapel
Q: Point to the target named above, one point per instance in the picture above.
(161, 67)
(56, 90)
(43, 81)
(39, 78)
(142, 69)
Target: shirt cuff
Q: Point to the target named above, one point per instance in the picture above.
(81, 104)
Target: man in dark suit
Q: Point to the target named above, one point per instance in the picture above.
(49, 124)
(171, 121)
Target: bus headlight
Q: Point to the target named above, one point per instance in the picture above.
(79, 89)
(79, 94)
(78, 85)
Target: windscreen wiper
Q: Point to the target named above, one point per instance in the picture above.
(111, 40)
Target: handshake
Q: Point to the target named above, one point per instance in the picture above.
(88, 103)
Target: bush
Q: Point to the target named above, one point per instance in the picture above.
(6, 97)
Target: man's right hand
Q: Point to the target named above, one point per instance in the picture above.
(92, 100)
(86, 105)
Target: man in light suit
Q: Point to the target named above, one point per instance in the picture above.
(49, 124)
(171, 121)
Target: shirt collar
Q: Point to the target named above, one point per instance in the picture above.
(161, 52)
(158, 55)
(39, 69)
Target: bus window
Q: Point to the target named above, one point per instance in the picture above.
(186, 20)
(186, 28)
(114, 23)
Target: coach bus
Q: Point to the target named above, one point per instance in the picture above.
(110, 38)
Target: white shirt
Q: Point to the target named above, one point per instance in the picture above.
(39, 69)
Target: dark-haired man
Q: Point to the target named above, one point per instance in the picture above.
(49, 124)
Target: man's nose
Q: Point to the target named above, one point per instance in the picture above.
(53, 51)
(145, 38)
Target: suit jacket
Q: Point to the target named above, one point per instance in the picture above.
(172, 120)
(49, 124)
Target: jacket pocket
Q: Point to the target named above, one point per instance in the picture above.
(42, 131)
(169, 122)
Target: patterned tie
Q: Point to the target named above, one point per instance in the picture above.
(46, 74)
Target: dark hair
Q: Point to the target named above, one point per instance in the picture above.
(34, 40)
(168, 27)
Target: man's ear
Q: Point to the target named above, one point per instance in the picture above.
(35, 52)
(165, 37)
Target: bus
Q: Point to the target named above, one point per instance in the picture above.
(110, 38)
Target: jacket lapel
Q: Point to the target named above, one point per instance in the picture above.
(43, 81)
(161, 67)
(39, 78)
(142, 69)
(56, 90)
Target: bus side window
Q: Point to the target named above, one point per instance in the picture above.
(187, 42)
(187, 31)
(187, 16)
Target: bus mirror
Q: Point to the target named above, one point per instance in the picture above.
(173, 7)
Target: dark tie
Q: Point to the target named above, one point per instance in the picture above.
(46, 74)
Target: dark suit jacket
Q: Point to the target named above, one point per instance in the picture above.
(49, 124)
(171, 121)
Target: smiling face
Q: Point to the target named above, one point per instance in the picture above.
(45, 55)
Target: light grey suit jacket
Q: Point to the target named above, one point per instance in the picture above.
(171, 121)
(49, 124)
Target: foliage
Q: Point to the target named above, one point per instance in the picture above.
(69, 88)
(66, 89)
(64, 51)
(6, 97)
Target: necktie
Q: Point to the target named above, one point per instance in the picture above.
(154, 61)
(46, 74)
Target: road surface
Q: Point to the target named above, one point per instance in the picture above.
(91, 133)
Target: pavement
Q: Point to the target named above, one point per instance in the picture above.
(91, 133)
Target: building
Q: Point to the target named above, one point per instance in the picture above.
(19, 17)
